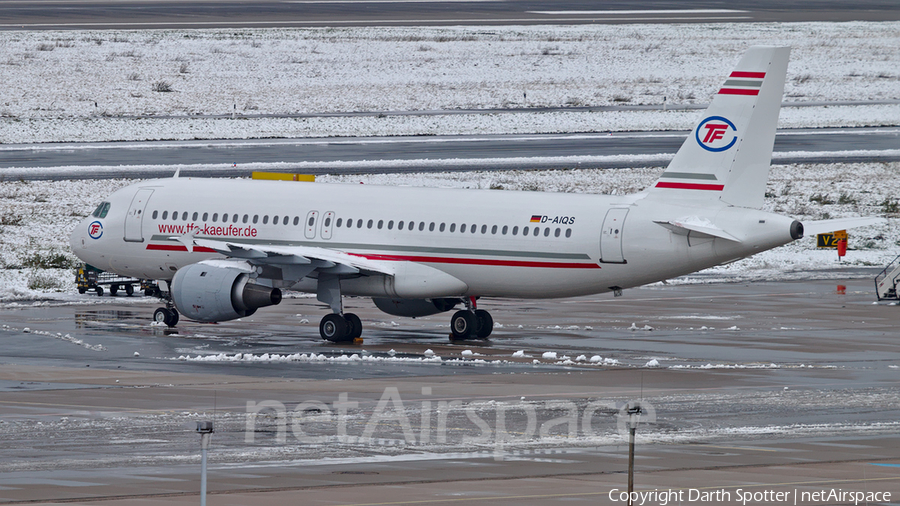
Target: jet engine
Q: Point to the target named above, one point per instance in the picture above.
(210, 293)
(415, 307)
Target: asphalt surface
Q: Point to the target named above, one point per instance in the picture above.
(775, 386)
(104, 14)
(385, 154)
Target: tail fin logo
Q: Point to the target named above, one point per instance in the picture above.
(716, 133)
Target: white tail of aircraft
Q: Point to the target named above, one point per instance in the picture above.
(727, 155)
(227, 247)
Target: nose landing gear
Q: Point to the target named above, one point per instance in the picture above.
(168, 314)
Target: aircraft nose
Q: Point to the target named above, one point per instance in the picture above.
(78, 239)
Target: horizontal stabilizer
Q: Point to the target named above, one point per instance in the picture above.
(811, 228)
(697, 225)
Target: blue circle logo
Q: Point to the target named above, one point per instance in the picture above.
(718, 134)
(95, 230)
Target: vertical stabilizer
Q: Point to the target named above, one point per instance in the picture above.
(727, 155)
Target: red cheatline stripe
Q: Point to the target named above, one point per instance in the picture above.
(690, 186)
(736, 91)
(179, 247)
(753, 75)
(482, 261)
(437, 260)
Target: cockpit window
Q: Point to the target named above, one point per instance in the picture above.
(101, 210)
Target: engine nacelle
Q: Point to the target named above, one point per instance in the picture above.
(209, 293)
(415, 307)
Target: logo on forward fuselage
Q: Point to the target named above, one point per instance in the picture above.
(716, 133)
(95, 230)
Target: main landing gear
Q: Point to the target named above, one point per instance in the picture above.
(471, 322)
(339, 328)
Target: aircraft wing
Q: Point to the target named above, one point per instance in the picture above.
(410, 280)
(322, 259)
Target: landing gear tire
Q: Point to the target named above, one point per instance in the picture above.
(335, 328)
(354, 324)
(485, 324)
(113, 290)
(166, 315)
(463, 325)
(129, 290)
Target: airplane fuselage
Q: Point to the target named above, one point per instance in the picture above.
(499, 243)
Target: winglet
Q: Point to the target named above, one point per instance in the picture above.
(187, 239)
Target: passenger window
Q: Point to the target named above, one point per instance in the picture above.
(568, 232)
(537, 230)
(184, 216)
(274, 220)
(453, 227)
(234, 219)
(422, 226)
(246, 218)
(205, 216)
(556, 234)
(164, 216)
(285, 220)
(311, 222)
(265, 219)
(442, 227)
(547, 232)
(462, 228)
(224, 217)
(338, 223)
(391, 225)
(431, 227)
(380, 224)
(255, 218)
(399, 225)
(516, 230)
(359, 224)
(493, 230)
(174, 215)
(369, 224)
(195, 216)
(524, 231)
(504, 230)
(155, 214)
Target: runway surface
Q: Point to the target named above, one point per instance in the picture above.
(125, 14)
(766, 387)
(389, 154)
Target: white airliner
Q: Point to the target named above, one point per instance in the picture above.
(227, 247)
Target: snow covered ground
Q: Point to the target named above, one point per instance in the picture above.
(101, 85)
(37, 217)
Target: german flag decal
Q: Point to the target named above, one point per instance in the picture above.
(536, 218)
